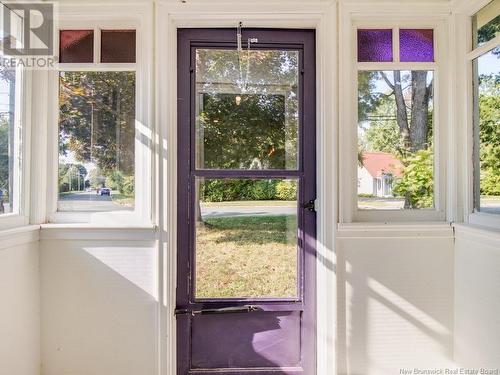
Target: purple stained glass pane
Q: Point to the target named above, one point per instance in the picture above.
(374, 45)
(416, 45)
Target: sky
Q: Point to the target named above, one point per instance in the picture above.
(489, 63)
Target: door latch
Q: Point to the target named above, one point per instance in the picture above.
(310, 206)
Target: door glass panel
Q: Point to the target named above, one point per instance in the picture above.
(247, 109)
(246, 238)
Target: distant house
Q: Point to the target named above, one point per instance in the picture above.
(376, 176)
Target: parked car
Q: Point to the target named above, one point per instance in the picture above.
(105, 191)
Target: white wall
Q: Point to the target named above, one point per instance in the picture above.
(99, 306)
(395, 302)
(477, 298)
(19, 309)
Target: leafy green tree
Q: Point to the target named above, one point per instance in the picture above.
(4, 154)
(71, 177)
(115, 181)
(97, 119)
(489, 133)
(248, 109)
(96, 179)
(247, 135)
(382, 134)
(489, 31)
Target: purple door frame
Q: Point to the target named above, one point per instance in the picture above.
(281, 336)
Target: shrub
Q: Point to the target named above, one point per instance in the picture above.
(128, 186)
(260, 190)
(115, 181)
(286, 190)
(490, 182)
(417, 183)
(233, 190)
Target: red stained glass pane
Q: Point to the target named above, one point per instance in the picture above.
(118, 46)
(374, 45)
(76, 46)
(416, 45)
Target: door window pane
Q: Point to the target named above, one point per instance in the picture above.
(76, 46)
(486, 23)
(395, 140)
(96, 141)
(247, 109)
(246, 238)
(487, 129)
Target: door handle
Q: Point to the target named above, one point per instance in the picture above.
(223, 310)
(310, 206)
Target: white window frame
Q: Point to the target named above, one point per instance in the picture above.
(103, 17)
(349, 67)
(21, 151)
(467, 54)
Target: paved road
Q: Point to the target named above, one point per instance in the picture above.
(234, 211)
(88, 201)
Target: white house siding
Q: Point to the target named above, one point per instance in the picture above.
(365, 182)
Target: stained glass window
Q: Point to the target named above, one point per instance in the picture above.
(118, 46)
(416, 45)
(76, 46)
(374, 45)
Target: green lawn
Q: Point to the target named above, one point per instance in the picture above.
(123, 200)
(250, 256)
(251, 203)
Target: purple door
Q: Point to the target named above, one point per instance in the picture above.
(246, 190)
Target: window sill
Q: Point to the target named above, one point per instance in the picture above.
(119, 219)
(480, 233)
(12, 221)
(89, 232)
(394, 217)
(21, 235)
(485, 220)
(406, 230)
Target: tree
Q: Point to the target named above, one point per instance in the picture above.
(71, 177)
(4, 154)
(96, 179)
(489, 133)
(97, 118)
(248, 109)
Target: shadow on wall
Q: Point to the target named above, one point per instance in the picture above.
(395, 304)
(99, 307)
(99, 316)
